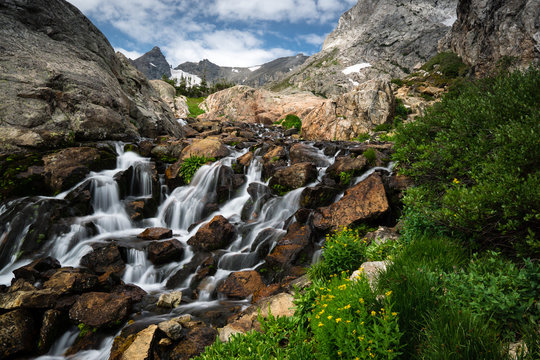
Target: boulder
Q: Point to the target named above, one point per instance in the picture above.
(170, 300)
(290, 247)
(68, 280)
(277, 305)
(245, 160)
(29, 299)
(141, 209)
(156, 233)
(371, 271)
(216, 234)
(65, 168)
(353, 166)
(163, 252)
(67, 83)
(246, 104)
(198, 337)
(275, 153)
(34, 271)
(17, 333)
(210, 148)
(294, 176)
(241, 284)
(382, 235)
(142, 346)
(363, 202)
(104, 259)
(351, 114)
(318, 196)
(99, 309)
(302, 152)
(52, 325)
(172, 328)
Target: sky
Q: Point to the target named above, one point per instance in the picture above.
(227, 32)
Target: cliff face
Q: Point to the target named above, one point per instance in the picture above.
(488, 31)
(375, 39)
(153, 64)
(61, 81)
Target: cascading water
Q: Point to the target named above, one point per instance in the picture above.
(184, 211)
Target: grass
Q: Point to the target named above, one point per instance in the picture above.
(193, 106)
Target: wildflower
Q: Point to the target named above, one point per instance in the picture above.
(388, 293)
(394, 314)
(329, 317)
(347, 307)
(321, 324)
(361, 300)
(339, 352)
(338, 320)
(455, 181)
(342, 287)
(373, 313)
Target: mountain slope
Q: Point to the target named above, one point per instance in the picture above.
(153, 64)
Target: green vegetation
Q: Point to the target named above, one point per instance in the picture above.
(362, 137)
(345, 177)
(185, 88)
(280, 189)
(190, 166)
(193, 106)
(474, 159)
(290, 121)
(448, 63)
(370, 155)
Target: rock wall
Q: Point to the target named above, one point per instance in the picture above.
(488, 31)
(61, 81)
(387, 38)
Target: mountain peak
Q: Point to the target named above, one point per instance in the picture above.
(153, 64)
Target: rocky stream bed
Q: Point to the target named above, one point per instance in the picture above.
(115, 256)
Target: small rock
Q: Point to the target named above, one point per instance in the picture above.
(98, 309)
(170, 300)
(172, 328)
(142, 346)
(163, 252)
(214, 235)
(294, 177)
(104, 259)
(156, 233)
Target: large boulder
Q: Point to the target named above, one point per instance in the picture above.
(17, 333)
(241, 284)
(487, 32)
(104, 259)
(68, 280)
(210, 148)
(197, 337)
(348, 115)
(216, 234)
(363, 202)
(66, 83)
(162, 252)
(167, 93)
(98, 309)
(289, 248)
(243, 103)
(302, 152)
(293, 177)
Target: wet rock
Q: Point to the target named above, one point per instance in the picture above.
(99, 309)
(210, 148)
(196, 339)
(156, 233)
(138, 346)
(170, 300)
(363, 202)
(130, 291)
(172, 328)
(34, 271)
(347, 165)
(53, 324)
(241, 284)
(85, 341)
(29, 299)
(182, 274)
(227, 183)
(17, 333)
(141, 209)
(318, 196)
(277, 305)
(67, 167)
(293, 177)
(216, 234)
(289, 248)
(163, 252)
(245, 160)
(104, 259)
(274, 154)
(301, 152)
(207, 268)
(71, 281)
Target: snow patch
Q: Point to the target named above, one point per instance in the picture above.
(355, 83)
(235, 70)
(153, 65)
(254, 68)
(355, 68)
(190, 78)
(450, 20)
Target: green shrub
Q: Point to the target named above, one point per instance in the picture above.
(400, 112)
(474, 159)
(345, 177)
(193, 106)
(349, 323)
(370, 155)
(448, 63)
(362, 137)
(190, 166)
(291, 121)
(454, 334)
(384, 127)
(383, 251)
(342, 251)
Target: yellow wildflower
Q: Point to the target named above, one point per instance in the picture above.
(321, 324)
(329, 317)
(394, 314)
(388, 293)
(455, 181)
(373, 313)
(338, 320)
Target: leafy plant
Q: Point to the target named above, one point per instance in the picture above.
(384, 127)
(345, 177)
(448, 63)
(190, 166)
(280, 189)
(370, 155)
(361, 137)
(291, 121)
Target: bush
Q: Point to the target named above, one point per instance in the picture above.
(370, 155)
(291, 121)
(448, 63)
(342, 251)
(349, 323)
(190, 166)
(474, 158)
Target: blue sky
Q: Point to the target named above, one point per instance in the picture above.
(227, 32)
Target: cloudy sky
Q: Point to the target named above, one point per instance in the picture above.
(227, 32)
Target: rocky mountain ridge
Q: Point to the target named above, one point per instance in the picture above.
(153, 64)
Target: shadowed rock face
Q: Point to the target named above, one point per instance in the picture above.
(61, 81)
(487, 31)
(153, 64)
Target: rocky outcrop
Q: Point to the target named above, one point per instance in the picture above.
(99, 309)
(242, 103)
(214, 235)
(363, 202)
(346, 116)
(61, 81)
(374, 39)
(293, 177)
(167, 93)
(487, 32)
(153, 64)
(241, 284)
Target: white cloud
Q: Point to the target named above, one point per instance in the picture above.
(313, 39)
(129, 54)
